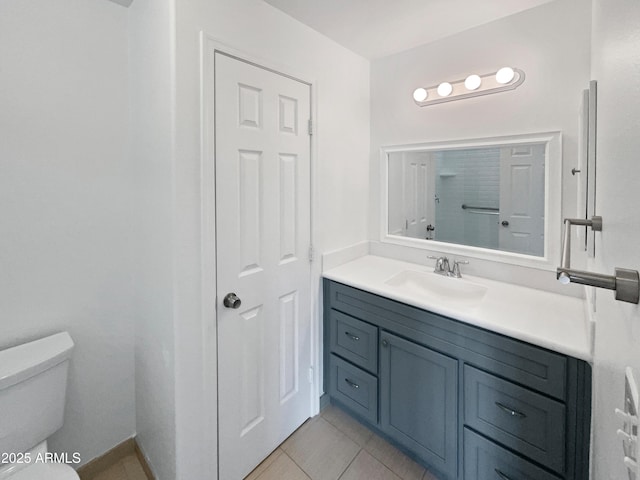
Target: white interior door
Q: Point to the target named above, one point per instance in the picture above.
(263, 239)
(416, 197)
(397, 219)
(521, 205)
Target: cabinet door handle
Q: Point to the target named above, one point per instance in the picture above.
(385, 343)
(510, 411)
(351, 384)
(355, 338)
(502, 475)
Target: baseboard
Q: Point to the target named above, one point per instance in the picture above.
(324, 401)
(143, 461)
(113, 456)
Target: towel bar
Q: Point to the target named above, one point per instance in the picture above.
(488, 209)
(626, 283)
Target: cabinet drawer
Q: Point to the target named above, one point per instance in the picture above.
(525, 421)
(484, 460)
(354, 388)
(355, 340)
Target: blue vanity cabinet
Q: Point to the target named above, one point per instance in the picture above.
(419, 401)
(468, 403)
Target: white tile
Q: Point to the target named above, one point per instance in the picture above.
(321, 450)
(133, 468)
(264, 465)
(347, 424)
(115, 472)
(394, 459)
(365, 467)
(282, 468)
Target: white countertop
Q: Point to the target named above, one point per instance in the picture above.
(549, 320)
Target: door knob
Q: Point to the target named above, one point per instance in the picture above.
(231, 300)
(505, 223)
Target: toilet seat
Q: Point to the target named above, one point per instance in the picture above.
(46, 471)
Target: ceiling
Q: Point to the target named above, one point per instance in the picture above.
(375, 28)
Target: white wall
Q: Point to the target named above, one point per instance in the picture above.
(616, 67)
(551, 43)
(342, 138)
(151, 74)
(65, 202)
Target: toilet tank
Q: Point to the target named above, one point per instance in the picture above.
(33, 382)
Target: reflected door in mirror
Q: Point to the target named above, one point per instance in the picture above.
(489, 197)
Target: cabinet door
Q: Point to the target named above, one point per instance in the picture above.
(419, 401)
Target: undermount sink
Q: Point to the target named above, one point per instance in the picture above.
(439, 287)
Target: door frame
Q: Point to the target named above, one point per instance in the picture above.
(209, 46)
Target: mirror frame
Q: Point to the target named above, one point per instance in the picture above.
(552, 206)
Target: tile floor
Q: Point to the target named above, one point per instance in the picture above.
(330, 446)
(334, 446)
(128, 468)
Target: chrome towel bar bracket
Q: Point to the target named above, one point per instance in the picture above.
(626, 283)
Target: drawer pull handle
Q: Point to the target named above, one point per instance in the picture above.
(355, 338)
(510, 411)
(351, 384)
(502, 475)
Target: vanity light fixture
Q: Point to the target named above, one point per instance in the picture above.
(420, 95)
(505, 75)
(473, 82)
(445, 89)
(506, 78)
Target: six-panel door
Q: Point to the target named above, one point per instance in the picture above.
(419, 400)
(263, 235)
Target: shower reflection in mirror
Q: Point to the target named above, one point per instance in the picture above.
(489, 197)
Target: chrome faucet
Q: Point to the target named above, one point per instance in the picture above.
(443, 267)
(455, 271)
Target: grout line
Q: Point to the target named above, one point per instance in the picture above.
(352, 460)
(363, 447)
(346, 434)
(389, 467)
(334, 425)
(270, 464)
(369, 440)
(296, 464)
(360, 448)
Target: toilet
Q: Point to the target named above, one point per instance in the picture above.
(33, 383)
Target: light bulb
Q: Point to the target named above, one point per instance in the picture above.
(505, 75)
(472, 82)
(420, 94)
(445, 89)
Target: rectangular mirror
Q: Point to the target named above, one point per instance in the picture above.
(484, 195)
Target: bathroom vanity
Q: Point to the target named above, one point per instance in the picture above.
(495, 386)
